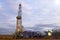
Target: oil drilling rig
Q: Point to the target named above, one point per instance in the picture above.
(19, 27)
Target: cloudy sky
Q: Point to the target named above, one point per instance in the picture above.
(36, 14)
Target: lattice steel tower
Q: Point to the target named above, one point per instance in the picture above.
(19, 26)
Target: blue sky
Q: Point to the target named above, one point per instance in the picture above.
(34, 12)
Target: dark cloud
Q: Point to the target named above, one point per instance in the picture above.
(47, 25)
(43, 27)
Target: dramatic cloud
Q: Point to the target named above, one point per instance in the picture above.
(43, 11)
(33, 12)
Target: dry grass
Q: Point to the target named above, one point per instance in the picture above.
(10, 37)
(30, 39)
